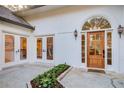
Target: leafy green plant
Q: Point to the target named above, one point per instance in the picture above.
(49, 78)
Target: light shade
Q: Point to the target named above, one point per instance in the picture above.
(15, 8)
(120, 30)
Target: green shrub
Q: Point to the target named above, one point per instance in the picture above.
(49, 79)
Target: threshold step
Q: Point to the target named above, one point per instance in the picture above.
(96, 70)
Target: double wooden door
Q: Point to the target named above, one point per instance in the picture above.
(95, 49)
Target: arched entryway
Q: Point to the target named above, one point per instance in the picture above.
(96, 42)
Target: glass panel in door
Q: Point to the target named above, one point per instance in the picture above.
(23, 48)
(50, 48)
(39, 48)
(9, 48)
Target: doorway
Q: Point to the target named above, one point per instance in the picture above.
(95, 49)
(15, 48)
(45, 48)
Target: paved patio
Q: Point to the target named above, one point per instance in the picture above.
(77, 78)
(17, 76)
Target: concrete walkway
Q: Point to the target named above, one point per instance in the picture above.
(16, 77)
(77, 78)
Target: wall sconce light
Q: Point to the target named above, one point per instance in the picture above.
(75, 34)
(120, 30)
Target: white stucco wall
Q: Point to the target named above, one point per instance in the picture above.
(67, 19)
(62, 22)
(121, 47)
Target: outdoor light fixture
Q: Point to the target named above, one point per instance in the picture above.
(75, 34)
(120, 30)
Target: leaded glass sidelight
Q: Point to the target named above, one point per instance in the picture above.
(96, 23)
(83, 47)
(109, 48)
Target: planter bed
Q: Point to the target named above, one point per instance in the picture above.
(49, 78)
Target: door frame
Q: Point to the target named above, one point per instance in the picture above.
(105, 46)
(44, 54)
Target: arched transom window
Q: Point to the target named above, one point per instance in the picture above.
(96, 23)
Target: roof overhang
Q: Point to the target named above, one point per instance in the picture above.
(39, 9)
(16, 23)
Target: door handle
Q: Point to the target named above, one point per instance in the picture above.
(103, 53)
(17, 51)
(44, 50)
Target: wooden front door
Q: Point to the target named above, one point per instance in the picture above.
(95, 49)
